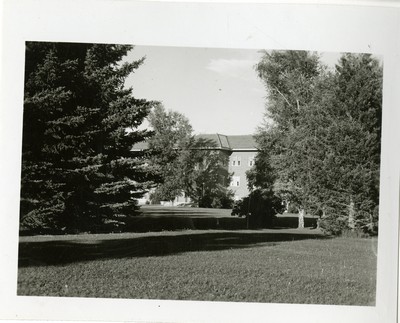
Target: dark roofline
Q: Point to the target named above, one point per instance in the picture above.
(143, 145)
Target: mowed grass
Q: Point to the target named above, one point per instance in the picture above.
(280, 266)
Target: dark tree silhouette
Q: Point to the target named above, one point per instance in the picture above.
(80, 122)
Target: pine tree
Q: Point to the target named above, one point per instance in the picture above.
(78, 170)
(353, 137)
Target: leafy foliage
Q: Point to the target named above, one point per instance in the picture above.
(187, 164)
(290, 78)
(321, 138)
(260, 206)
(172, 135)
(205, 174)
(78, 170)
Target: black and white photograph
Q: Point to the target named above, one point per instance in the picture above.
(273, 199)
(179, 176)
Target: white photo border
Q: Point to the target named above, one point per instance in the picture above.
(325, 28)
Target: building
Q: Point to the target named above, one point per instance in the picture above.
(241, 150)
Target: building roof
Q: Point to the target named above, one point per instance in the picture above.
(221, 141)
(242, 142)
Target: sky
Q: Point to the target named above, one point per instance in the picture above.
(218, 90)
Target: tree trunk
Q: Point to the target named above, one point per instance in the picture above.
(320, 218)
(351, 223)
(301, 218)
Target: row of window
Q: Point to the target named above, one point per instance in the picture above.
(237, 161)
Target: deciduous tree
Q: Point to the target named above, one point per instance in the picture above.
(322, 142)
(289, 78)
(172, 135)
(205, 174)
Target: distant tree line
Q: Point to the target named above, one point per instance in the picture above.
(321, 138)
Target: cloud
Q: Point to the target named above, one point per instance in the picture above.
(237, 68)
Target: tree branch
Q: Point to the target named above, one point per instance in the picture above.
(283, 96)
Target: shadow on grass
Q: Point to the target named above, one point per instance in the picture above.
(194, 219)
(169, 222)
(68, 251)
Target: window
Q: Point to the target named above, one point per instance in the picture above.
(235, 181)
(251, 161)
(236, 161)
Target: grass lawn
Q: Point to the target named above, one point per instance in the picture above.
(282, 266)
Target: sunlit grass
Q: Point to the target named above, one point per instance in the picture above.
(316, 271)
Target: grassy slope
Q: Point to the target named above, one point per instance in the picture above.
(255, 266)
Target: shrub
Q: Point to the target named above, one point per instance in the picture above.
(333, 224)
(337, 223)
(217, 199)
(261, 207)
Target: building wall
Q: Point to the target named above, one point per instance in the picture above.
(239, 180)
(239, 163)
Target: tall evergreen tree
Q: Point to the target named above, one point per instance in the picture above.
(353, 139)
(78, 170)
